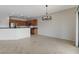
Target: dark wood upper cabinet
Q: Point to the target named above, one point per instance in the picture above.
(18, 22)
(34, 22)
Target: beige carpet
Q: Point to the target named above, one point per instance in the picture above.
(38, 45)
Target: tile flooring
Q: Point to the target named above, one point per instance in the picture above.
(38, 45)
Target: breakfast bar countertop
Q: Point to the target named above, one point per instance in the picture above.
(14, 33)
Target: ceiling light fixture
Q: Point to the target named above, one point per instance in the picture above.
(46, 17)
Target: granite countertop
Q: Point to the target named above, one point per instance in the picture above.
(11, 28)
(4, 27)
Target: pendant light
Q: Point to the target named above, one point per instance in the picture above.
(46, 17)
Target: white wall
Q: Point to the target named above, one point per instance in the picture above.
(4, 16)
(62, 25)
(4, 22)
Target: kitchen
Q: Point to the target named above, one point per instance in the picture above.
(18, 28)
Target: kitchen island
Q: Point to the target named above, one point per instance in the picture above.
(14, 33)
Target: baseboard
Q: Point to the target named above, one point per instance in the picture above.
(55, 37)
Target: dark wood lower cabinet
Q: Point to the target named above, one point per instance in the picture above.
(34, 31)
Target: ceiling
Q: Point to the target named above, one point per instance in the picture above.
(31, 10)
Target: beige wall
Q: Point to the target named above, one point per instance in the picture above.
(62, 25)
(4, 22)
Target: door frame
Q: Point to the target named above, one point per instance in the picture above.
(77, 39)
